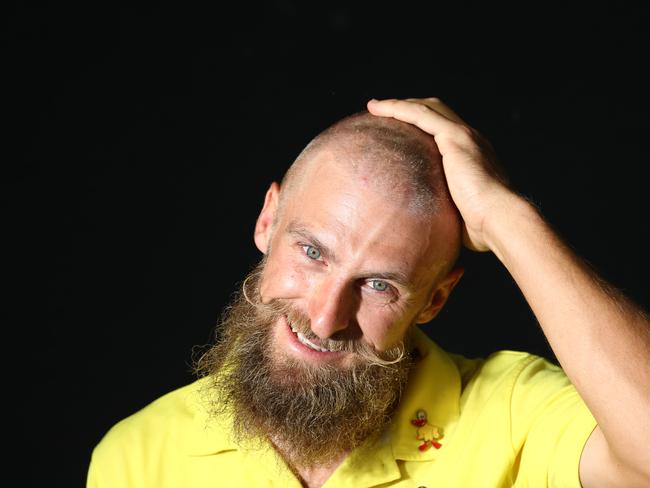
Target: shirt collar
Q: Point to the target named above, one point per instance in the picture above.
(433, 386)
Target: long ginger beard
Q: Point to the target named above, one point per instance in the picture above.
(314, 414)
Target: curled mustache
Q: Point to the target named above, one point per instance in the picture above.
(299, 322)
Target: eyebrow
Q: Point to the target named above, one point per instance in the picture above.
(397, 277)
(300, 230)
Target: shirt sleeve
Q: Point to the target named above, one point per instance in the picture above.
(550, 425)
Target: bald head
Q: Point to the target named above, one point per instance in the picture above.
(391, 154)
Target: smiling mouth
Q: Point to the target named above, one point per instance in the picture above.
(303, 340)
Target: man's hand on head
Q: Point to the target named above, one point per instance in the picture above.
(476, 183)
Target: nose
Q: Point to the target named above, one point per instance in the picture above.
(331, 307)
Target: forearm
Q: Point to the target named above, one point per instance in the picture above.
(601, 338)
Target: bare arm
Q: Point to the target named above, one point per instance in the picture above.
(601, 338)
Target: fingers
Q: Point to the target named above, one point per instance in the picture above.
(432, 117)
(439, 106)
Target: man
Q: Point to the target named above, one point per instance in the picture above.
(321, 377)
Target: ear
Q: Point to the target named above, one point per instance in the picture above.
(439, 296)
(266, 219)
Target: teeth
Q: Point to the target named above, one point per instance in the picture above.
(306, 341)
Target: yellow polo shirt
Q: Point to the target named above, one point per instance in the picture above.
(512, 419)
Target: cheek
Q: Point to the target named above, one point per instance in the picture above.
(281, 279)
(382, 330)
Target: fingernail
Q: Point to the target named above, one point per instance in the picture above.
(373, 100)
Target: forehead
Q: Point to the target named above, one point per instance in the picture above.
(367, 224)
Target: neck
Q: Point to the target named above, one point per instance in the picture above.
(313, 475)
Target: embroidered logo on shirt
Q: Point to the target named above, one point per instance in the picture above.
(429, 434)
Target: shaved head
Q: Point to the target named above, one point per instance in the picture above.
(389, 153)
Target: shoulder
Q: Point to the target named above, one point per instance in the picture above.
(517, 383)
(161, 430)
(508, 369)
(172, 411)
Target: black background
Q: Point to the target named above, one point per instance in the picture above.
(141, 140)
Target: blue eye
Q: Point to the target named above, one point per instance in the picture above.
(312, 252)
(379, 285)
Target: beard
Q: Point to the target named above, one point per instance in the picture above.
(313, 413)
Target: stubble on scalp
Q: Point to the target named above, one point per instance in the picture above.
(393, 154)
(313, 414)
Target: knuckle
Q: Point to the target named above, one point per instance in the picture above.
(462, 136)
(466, 133)
(423, 109)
